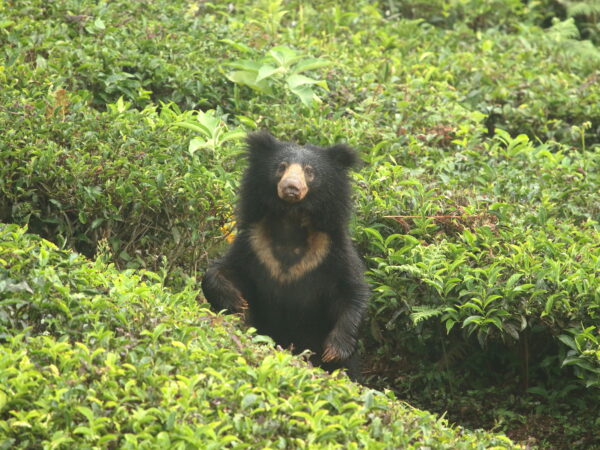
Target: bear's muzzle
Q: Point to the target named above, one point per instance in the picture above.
(292, 187)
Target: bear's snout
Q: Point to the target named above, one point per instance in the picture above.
(292, 186)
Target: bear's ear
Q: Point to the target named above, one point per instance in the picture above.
(261, 142)
(344, 155)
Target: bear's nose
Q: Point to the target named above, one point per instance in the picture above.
(292, 186)
(291, 190)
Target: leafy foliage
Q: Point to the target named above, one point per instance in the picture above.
(588, 12)
(96, 357)
(212, 131)
(279, 64)
(122, 177)
(477, 210)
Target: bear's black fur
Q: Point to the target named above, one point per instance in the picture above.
(292, 266)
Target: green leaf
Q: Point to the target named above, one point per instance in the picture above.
(422, 313)
(373, 233)
(59, 438)
(310, 64)
(239, 46)
(295, 81)
(198, 128)
(511, 329)
(246, 65)
(249, 400)
(283, 55)
(391, 238)
(568, 341)
(513, 279)
(87, 412)
(209, 121)
(249, 79)
(96, 223)
(87, 431)
(267, 71)
(99, 23)
(6, 23)
(306, 95)
(472, 319)
(3, 400)
(233, 135)
(106, 438)
(524, 287)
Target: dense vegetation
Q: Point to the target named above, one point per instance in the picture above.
(96, 357)
(477, 212)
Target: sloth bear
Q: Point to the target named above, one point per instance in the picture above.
(292, 267)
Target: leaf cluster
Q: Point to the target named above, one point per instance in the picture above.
(478, 121)
(280, 65)
(93, 356)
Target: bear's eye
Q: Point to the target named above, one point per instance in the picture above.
(282, 168)
(309, 173)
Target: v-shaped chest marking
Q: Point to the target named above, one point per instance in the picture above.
(317, 248)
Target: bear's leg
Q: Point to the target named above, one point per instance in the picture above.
(341, 341)
(221, 292)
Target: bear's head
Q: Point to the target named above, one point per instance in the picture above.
(283, 176)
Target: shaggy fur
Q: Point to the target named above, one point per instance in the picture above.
(292, 266)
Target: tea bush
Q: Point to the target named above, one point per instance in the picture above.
(477, 209)
(460, 262)
(124, 177)
(115, 49)
(96, 357)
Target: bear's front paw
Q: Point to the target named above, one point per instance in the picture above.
(337, 348)
(230, 299)
(242, 304)
(238, 304)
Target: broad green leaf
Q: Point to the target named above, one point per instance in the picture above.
(310, 64)
(267, 71)
(87, 412)
(295, 81)
(568, 341)
(83, 430)
(306, 95)
(249, 79)
(239, 46)
(233, 135)
(391, 238)
(523, 287)
(246, 65)
(249, 400)
(198, 128)
(209, 121)
(284, 55)
(513, 279)
(99, 23)
(471, 319)
(511, 329)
